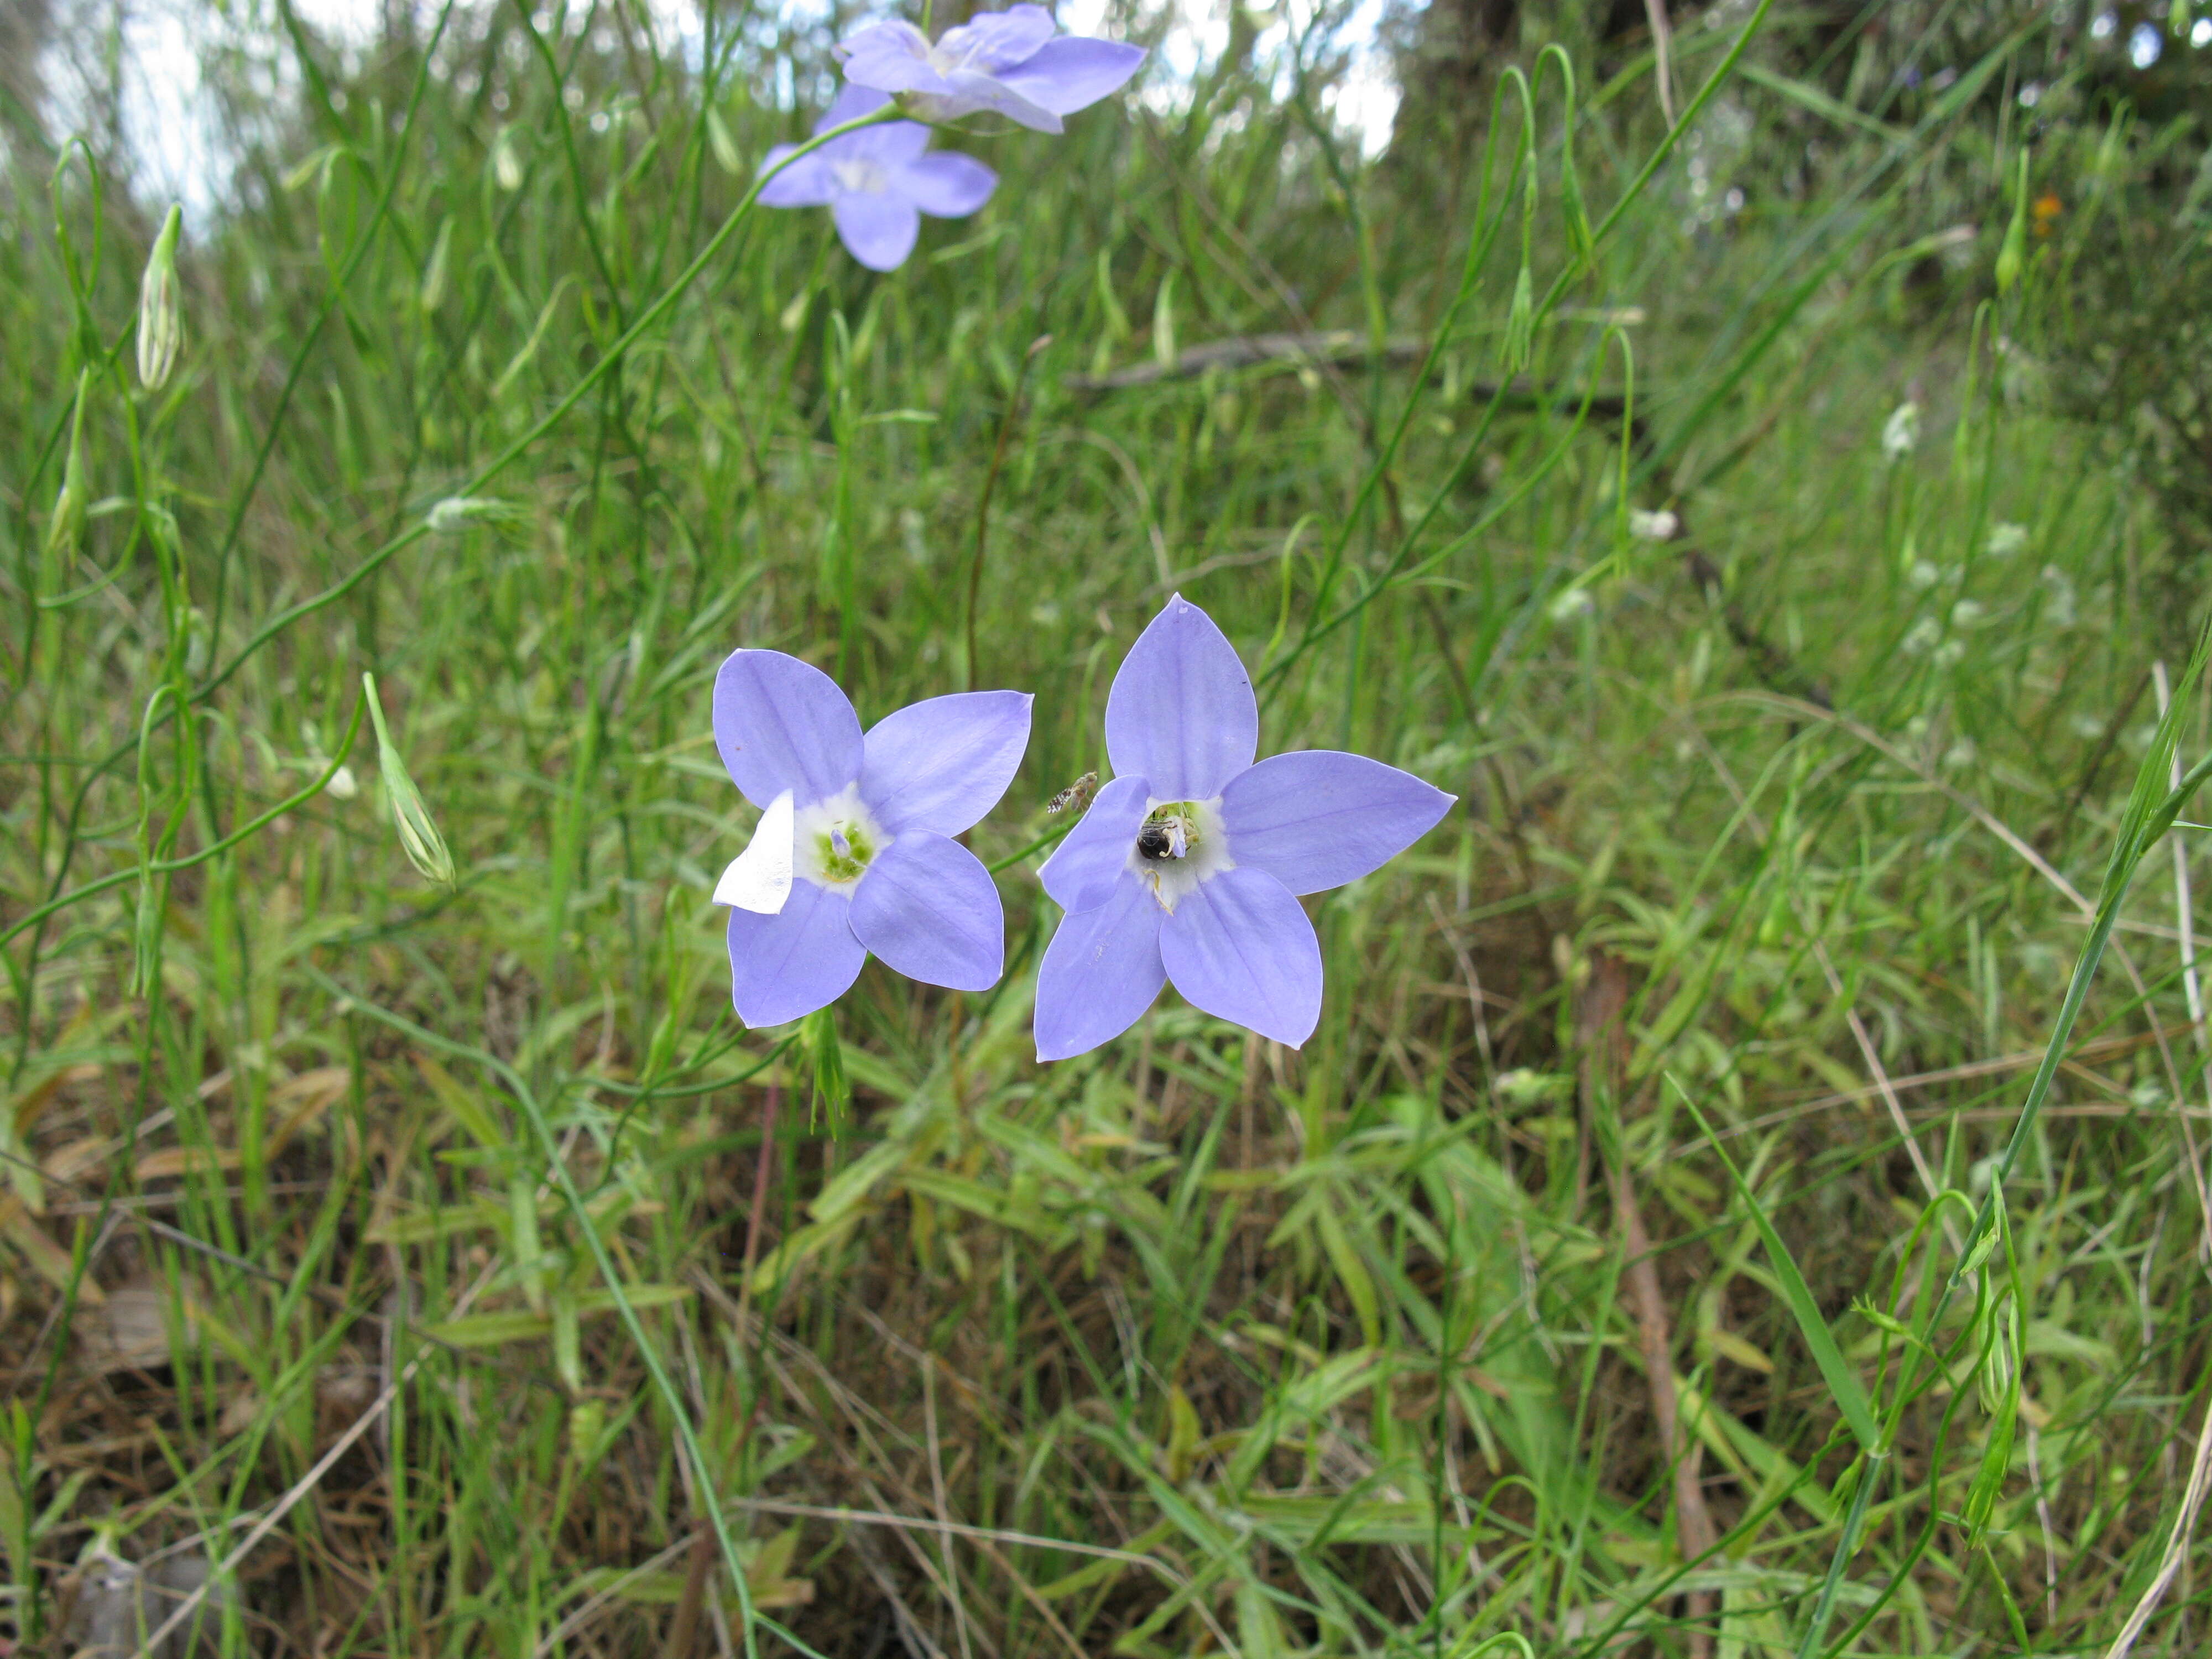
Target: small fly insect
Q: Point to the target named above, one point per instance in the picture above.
(1076, 796)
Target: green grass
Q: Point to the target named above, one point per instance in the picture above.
(1667, 1239)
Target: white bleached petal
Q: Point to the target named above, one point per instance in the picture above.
(759, 878)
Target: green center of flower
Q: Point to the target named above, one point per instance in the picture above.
(843, 850)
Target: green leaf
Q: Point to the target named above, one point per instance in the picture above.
(489, 1330)
(1850, 1394)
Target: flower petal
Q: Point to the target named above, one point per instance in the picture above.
(941, 764)
(928, 907)
(1100, 972)
(1067, 76)
(1083, 869)
(789, 964)
(996, 41)
(782, 724)
(946, 185)
(876, 230)
(1181, 711)
(759, 878)
(890, 57)
(967, 91)
(851, 103)
(890, 146)
(1240, 947)
(1317, 818)
(807, 182)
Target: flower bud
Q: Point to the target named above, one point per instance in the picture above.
(418, 834)
(457, 512)
(588, 1422)
(724, 148)
(160, 324)
(1900, 433)
(506, 160)
(66, 528)
(1521, 323)
(2014, 254)
(145, 936)
(433, 294)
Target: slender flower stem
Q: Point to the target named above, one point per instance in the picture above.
(599, 371)
(406, 538)
(169, 867)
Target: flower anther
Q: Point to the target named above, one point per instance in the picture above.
(835, 841)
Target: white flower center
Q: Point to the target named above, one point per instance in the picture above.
(837, 839)
(955, 50)
(856, 175)
(1180, 844)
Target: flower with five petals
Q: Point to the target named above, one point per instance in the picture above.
(854, 851)
(1188, 864)
(877, 182)
(1006, 61)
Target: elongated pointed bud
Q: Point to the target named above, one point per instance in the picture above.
(145, 935)
(2177, 20)
(722, 146)
(454, 514)
(1521, 323)
(818, 1037)
(160, 320)
(1163, 329)
(65, 529)
(418, 834)
(434, 277)
(506, 160)
(588, 1421)
(1580, 236)
(2014, 254)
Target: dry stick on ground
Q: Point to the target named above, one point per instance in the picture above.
(1192, 188)
(1604, 1045)
(1332, 350)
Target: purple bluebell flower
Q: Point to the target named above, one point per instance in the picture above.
(1006, 61)
(877, 182)
(1187, 866)
(853, 852)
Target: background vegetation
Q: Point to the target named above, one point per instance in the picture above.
(1658, 1249)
